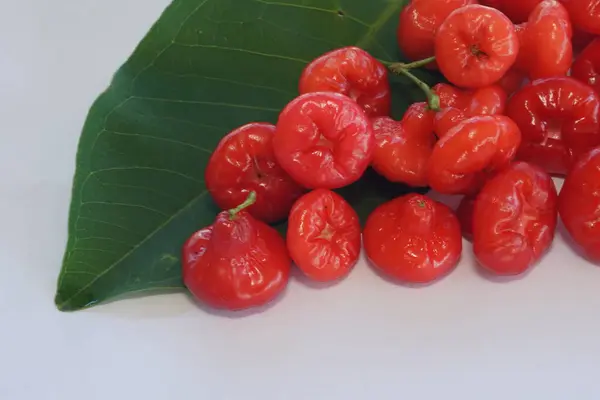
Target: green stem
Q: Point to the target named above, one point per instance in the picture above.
(414, 64)
(433, 99)
(251, 199)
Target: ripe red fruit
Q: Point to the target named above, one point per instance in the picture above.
(323, 235)
(244, 161)
(475, 46)
(419, 22)
(463, 159)
(487, 100)
(403, 147)
(586, 67)
(514, 219)
(559, 119)
(413, 239)
(517, 10)
(585, 14)
(457, 104)
(545, 41)
(236, 263)
(353, 72)
(324, 140)
(579, 204)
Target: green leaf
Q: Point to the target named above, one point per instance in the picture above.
(206, 67)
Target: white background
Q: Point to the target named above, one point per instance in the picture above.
(464, 337)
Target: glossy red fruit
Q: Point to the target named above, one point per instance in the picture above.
(579, 204)
(324, 140)
(517, 10)
(475, 46)
(464, 213)
(514, 219)
(244, 161)
(323, 235)
(353, 72)
(419, 22)
(403, 147)
(545, 42)
(559, 119)
(585, 14)
(586, 67)
(413, 239)
(457, 105)
(470, 152)
(236, 263)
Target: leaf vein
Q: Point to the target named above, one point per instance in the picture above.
(387, 13)
(108, 115)
(301, 6)
(137, 187)
(137, 167)
(85, 264)
(102, 238)
(159, 138)
(112, 224)
(84, 249)
(146, 239)
(118, 204)
(257, 53)
(303, 34)
(231, 81)
(185, 121)
(80, 272)
(165, 48)
(210, 103)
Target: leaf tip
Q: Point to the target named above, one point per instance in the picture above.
(65, 303)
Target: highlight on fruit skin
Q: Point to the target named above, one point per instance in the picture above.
(492, 101)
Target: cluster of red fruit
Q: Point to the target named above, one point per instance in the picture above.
(523, 104)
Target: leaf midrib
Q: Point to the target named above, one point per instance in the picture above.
(363, 42)
(133, 249)
(387, 13)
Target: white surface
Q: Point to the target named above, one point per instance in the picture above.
(464, 338)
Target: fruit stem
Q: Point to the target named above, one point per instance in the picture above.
(433, 99)
(415, 64)
(251, 199)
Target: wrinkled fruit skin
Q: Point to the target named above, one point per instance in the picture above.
(236, 264)
(586, 67)
(579, 204)
(323, 236)
(475, 46)
(419, 22)
(545, 42)
(457, 105)
(585, 14)
(514, 219)
(559, 120)
(466, 155)
(413, 239)
(244, 161)
(517, 10)
(324, 140)
(353, 72)
(403, 147)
